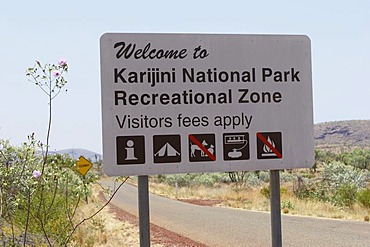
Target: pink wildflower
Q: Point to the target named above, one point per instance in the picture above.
(36, 174)
(62, 62)
(56, 73)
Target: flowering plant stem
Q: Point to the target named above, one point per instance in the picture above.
(51, 81)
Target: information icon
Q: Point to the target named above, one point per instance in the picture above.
(130, 150)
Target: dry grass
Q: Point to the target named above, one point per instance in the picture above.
(252, 199)
(104, 230)
(327, 210)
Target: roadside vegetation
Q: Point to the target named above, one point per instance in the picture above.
(43, 198)
(338, 186)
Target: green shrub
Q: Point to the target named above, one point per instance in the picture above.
(338, 174)
(181, 180)
(315, 190)
(287, 204)
(40, 204)
(345, 195)
(252, 180)
(265, 191)
(363, 197)
(264, 176)
(192, 179)
(206, 179)
(159, 178)
(286, 177)
(359, 158)
(284, 191)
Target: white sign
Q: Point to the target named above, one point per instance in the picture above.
(182, 103)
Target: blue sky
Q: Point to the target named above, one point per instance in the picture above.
(49, 30)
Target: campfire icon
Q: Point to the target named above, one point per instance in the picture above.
(267, 151)
(269, 145)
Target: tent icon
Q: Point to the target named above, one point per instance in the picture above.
(167, 151)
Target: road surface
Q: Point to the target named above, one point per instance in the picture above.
(215, 226)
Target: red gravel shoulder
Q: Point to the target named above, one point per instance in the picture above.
(158, 235)
(199, 202)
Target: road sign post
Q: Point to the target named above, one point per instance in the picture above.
(276, 236)
(144, 219)
(83, 166)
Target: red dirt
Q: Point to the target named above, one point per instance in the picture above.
(158, 235)
(206, 202)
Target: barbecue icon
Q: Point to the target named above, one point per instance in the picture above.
(236, 146)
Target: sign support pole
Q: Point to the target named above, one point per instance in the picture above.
(144, 222)
(275, 208)
(86, 195)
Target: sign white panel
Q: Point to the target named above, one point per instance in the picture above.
(183, 103)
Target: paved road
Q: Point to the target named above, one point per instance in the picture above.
(215, 226)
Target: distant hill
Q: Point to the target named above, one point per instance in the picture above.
(343, 135)
(75, 153)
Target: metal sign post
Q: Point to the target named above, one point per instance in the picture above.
(144, 222)
(275, 208)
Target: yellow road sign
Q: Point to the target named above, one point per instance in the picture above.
(83, 165)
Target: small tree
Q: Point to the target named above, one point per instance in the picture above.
(40, 193)
(238, 177)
